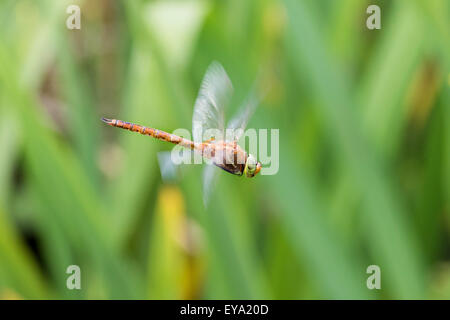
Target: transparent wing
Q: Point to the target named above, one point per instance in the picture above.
(239, 122)
(214, 95)
(169, 170)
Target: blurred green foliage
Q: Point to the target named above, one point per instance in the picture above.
(364, 119)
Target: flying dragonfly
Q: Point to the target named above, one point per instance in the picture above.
(209, 116)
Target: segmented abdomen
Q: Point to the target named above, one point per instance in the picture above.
(155, 133)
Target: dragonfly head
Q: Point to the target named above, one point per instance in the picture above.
(252, 166)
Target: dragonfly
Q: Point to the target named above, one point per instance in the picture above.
(221, 150)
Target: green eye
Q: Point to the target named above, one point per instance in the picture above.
(250, 166)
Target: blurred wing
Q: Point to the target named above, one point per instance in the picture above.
(214, 94)
(169, 170)
(209, 180)
(239, 122)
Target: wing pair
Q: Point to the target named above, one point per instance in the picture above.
(209, 113)
(214, 95)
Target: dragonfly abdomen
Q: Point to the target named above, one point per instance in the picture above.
(155, 133)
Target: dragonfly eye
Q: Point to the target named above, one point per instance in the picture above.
(250, 166)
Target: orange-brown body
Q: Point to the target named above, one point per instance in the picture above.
(226, 155)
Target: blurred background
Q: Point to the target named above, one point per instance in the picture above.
(364, 178)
